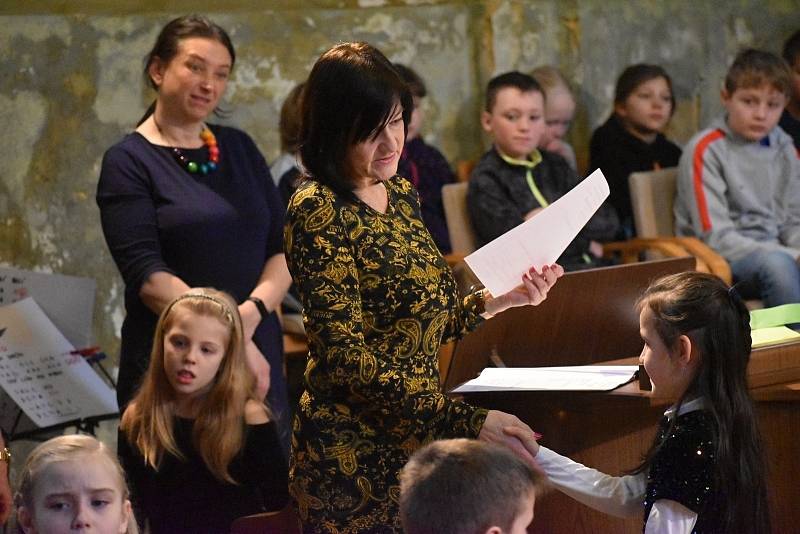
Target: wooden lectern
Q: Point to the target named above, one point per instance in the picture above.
(589, 317)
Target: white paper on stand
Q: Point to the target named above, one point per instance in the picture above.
(500, 264)
(569, 378)
(38, 371)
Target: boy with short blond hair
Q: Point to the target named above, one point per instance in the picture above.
(739, 182)
(514, 180)
(463, 486)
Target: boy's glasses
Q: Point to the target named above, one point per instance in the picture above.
(556, 122)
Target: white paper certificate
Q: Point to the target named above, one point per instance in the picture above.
(500, 264)
(570, 378)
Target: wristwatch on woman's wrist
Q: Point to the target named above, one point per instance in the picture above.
(262, 308)
(481, 294)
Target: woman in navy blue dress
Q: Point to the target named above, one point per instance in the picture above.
(185, 204)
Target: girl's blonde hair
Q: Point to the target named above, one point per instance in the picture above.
(218, 432)
(550, 78)
(63, 449)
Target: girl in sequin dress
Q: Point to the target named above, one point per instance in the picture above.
(704, 472)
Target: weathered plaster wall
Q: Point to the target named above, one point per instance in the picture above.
(70, 84)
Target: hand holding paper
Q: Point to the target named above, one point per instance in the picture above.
(531, 292)
(540, 240)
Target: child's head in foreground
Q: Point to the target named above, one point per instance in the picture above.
(73, 483)
(757, 88)
(514, 114)
(462, 486)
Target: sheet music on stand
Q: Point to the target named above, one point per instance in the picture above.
(68, 301)
(41, 371)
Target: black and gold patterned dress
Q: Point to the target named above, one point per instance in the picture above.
(378, 300)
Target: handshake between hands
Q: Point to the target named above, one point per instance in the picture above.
(506, 429)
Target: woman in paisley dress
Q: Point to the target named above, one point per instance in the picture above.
(378, 301)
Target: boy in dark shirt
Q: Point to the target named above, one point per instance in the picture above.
(514, 180)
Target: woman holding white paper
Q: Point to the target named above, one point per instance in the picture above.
(378, 299)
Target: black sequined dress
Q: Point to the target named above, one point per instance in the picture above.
(683, 470)
(677, 491)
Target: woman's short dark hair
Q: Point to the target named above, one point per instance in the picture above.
(167, 42)
(349, 97)
(635, 75)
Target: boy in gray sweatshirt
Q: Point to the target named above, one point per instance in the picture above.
(739, 182)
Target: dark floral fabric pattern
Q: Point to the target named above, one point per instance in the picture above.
(378, 301)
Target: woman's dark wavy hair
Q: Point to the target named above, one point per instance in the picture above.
(170, 37)
(349, 98)
(634, 76)
(717, 322)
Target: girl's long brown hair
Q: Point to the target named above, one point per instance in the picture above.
(218, 431)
